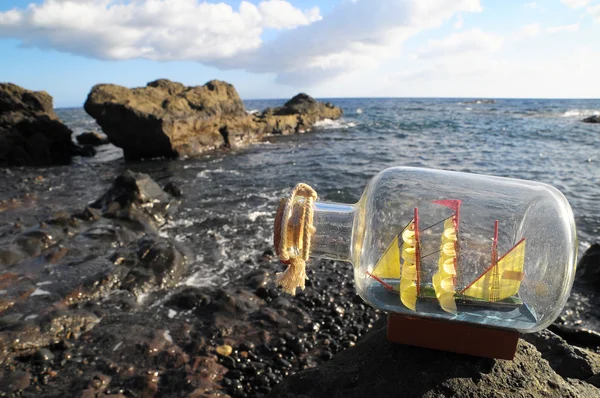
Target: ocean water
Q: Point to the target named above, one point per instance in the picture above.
(231, 196)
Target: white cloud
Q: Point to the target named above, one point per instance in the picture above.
(575, 3)
(563, 28)
(532, 29)
(151, 29)
(532, 5)
(471, 41)
(485, 76)
(536, 29)
(280, 14)
(355, 35)
(459, 22)
(594, 12)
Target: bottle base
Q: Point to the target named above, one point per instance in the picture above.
(454, 337)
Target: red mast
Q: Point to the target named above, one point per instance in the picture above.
(417, 252)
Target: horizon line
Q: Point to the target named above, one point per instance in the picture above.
(385, 97)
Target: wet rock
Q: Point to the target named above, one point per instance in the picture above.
(135, 197)
(256, 279)
(373, 366)
(579, 321)
(14, 381)
(592, 119)
(297, 115)
(89, 214)
(27, 337)
(577, 335)
(588, 267)
(189, 298)
(87, 151)
(173, 190)
(31, 134)
(566, 360)
(156, 262)
(43, 355)
(91, 138)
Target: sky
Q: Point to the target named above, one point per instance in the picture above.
(328, 48)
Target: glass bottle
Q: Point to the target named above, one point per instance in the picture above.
(447, 245)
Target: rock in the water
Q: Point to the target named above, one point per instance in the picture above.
(592, 119)
(135, 197)
(31, 134)
(167, 119)
(297, 115)
(377, 368)
(92, 138)
(588, 268)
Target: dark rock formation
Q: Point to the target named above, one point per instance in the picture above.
(31, 134)
(377, 368)
(566, 360)
(588, 268)
(579, 321)
(67, 260)
(135, 197)
(592, 119)
(297, 115)
(167, 119)
(91, 138)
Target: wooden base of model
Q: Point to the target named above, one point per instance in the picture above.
(454, 337)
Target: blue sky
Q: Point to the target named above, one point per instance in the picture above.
(276, 48)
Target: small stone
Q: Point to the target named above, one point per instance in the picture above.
(14, 381)
(247, 346)
(43, 355)
(282, 363)
(224, 350)
(173, 190)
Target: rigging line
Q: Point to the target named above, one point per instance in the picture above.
(400, 240)
(431, 254)
(437, 223)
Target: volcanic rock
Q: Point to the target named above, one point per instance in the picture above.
(91, 138)
(69, 260)
(588, 268)
(31, 134)
(592, 119)
(375, 367)
(297, 115)
(167, 119)
(137, 198)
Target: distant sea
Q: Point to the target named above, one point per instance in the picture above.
(230, 197)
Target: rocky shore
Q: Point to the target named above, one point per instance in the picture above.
(94, 300)
(92, 303)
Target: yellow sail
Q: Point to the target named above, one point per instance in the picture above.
(408, 282)
(502, 280)
(443, 280)
(388, 265)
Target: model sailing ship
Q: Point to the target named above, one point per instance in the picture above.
(399, 269)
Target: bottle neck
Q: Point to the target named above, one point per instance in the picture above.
(333, 223)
